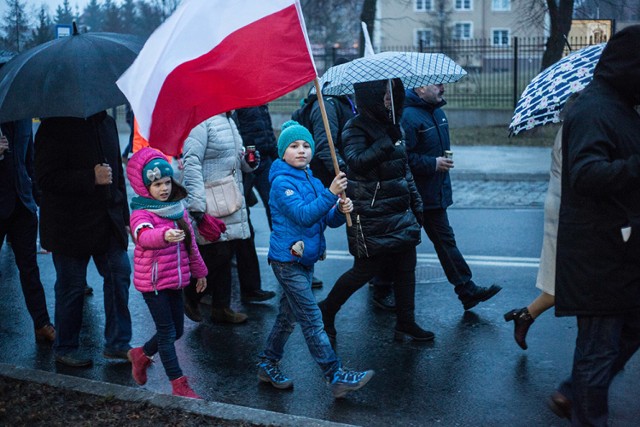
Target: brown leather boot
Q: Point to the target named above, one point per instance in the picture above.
(227, 315)
(522, 321)
(46, 334)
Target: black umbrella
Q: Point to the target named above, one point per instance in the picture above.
(73, 76)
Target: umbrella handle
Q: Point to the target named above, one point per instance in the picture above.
(332, 149)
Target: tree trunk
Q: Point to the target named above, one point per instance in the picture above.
(368, 16)
(560, 14)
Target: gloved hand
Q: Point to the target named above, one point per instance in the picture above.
(211, 227)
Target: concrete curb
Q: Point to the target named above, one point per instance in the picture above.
(218, 410)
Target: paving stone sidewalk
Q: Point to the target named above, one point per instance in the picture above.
(498, 194)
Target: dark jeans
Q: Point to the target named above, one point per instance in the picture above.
(400, 265)
(217, 257)
(436, 225)
(298, 305)
(248, 263)
(603, 347)
(71, 274)
(167, 310)
(22, 228)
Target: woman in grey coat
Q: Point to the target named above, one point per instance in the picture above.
(213, 151)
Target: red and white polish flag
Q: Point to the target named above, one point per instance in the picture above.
(213, 56)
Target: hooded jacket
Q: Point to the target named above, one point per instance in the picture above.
(598, 272)
(427, 137)
(158, 264)
(381, 186)
(301, 209)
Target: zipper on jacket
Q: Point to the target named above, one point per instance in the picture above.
(175, 223)
(360, 233)
(375, 193)
(154, 275)
(306, 173)
(309, 179)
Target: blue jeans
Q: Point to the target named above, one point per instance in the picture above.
(71, 275)
(298, 305)
(436, 225)
(603, 347)
(167, 310)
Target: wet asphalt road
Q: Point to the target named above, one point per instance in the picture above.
(473, 374)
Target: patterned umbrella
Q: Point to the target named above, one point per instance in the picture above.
(413, 68)
(544, 98)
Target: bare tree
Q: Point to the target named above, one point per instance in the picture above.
(560, 12)
(331, 21)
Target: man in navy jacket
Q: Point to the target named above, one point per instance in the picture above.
(19, 220)
(427, 139)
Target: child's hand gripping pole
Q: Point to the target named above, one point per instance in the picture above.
(332, 149)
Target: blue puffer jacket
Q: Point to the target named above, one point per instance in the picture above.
(301, 209)
(425, 141)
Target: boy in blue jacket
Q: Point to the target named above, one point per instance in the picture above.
(301, 208)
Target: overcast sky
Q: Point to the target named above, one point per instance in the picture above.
(52, 4)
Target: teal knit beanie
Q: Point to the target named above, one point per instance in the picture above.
(154, 170)
(294, 131)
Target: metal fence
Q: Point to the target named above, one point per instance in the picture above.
(497, 73)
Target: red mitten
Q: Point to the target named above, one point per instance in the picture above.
(211, 227)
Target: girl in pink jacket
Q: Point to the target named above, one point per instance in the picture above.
(165, 258)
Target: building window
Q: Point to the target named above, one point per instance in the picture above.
(423, 5)
(462, 4)
(462, 30)
(423, 37)
(501, 5)
(500, 37)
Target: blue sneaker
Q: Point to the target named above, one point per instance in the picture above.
(345, 380)
(269, 372)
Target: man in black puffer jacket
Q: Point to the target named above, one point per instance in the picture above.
(387, 206)
(598, 249)
(427, 136)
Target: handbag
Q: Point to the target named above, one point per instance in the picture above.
(223, 196)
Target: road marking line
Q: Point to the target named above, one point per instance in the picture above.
(475, 260)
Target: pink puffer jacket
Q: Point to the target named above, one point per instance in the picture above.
(158, 264)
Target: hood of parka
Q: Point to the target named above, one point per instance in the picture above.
(370, 99)
(619, 65)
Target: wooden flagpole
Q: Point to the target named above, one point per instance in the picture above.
(327, 130)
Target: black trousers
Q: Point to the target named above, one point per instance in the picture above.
(248, 264)
(400, 265)
(22, 228)
(217, 257)
(436, 225)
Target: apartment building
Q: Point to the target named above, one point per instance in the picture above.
(427, 23)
